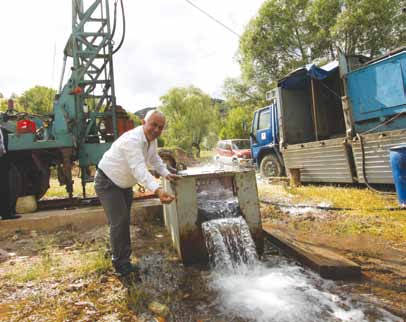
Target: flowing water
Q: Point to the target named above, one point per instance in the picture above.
(229, 243)
(272, 289)
(275, 289)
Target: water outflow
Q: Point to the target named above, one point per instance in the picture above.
(273, 289)
(277, 290)
(229, 243)
(227, 236)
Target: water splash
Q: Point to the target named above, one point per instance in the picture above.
(276, 290)
(229, 243)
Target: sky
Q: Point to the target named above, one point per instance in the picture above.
(168, 43)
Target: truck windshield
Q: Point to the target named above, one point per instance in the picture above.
(241, 144)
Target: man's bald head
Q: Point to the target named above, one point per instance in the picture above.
(152, 112)
(153, 123)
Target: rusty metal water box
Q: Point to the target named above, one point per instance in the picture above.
(182, 217)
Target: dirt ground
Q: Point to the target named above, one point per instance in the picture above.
(67, 276)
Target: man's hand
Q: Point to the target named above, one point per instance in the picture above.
(172, 177)
(164, 197)
(155, 174)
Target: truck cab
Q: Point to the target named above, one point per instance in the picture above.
(264, 138)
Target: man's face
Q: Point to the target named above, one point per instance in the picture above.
(154, 126)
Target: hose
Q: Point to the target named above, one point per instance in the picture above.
(302, 206)
(268, 202)
(123, 36)
(364, 173)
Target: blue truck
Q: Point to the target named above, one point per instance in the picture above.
(334, 123)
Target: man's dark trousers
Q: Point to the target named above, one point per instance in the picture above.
(6, 210)
(117, 206)
(6, 207)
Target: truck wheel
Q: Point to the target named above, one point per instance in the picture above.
(270, 166)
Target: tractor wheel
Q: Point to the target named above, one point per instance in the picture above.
(26, 179)
(15, 184)
(270, 166)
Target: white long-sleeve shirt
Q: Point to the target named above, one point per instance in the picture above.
(126, 162)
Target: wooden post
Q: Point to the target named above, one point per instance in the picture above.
(294, 177)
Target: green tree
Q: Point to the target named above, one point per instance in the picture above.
(241, 101)
(275, 41)
(370, 27)
(189, 113)
(287, 34)
(321, 18)
(237, 124)
(37, 100)
(215, 124)
(3, 105)
(135, 118)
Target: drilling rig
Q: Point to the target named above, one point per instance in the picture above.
(85, 119)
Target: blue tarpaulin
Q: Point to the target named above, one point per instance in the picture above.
(300, 77)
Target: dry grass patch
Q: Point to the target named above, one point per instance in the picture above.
(360, 210)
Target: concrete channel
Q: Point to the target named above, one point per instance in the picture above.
(79, 218)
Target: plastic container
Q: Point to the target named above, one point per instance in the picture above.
(26, 126)
(397, 156)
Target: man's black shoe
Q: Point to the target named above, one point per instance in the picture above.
(11, 217)
(127, 269)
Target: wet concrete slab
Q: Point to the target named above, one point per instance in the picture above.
(77, 218)
(326, 262)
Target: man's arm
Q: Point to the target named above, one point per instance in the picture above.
(135, 158)
(156, 162)
(133, 152)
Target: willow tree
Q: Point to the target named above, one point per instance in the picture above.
(189, 113)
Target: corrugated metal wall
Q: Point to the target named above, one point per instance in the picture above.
(376, 149)
(322, 161)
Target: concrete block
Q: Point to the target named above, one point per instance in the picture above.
(181, 216)
(79, 218)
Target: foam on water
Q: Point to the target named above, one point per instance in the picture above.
(286, 293)
(208, 168)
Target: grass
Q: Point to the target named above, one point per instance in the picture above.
(363, 210)
(97, 262)
(359, 200)
(137, 298)
(52, 262)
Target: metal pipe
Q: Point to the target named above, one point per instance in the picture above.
(63, 73)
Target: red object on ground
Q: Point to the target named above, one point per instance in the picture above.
(26, 126)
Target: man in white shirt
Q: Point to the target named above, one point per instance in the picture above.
(121, 167)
